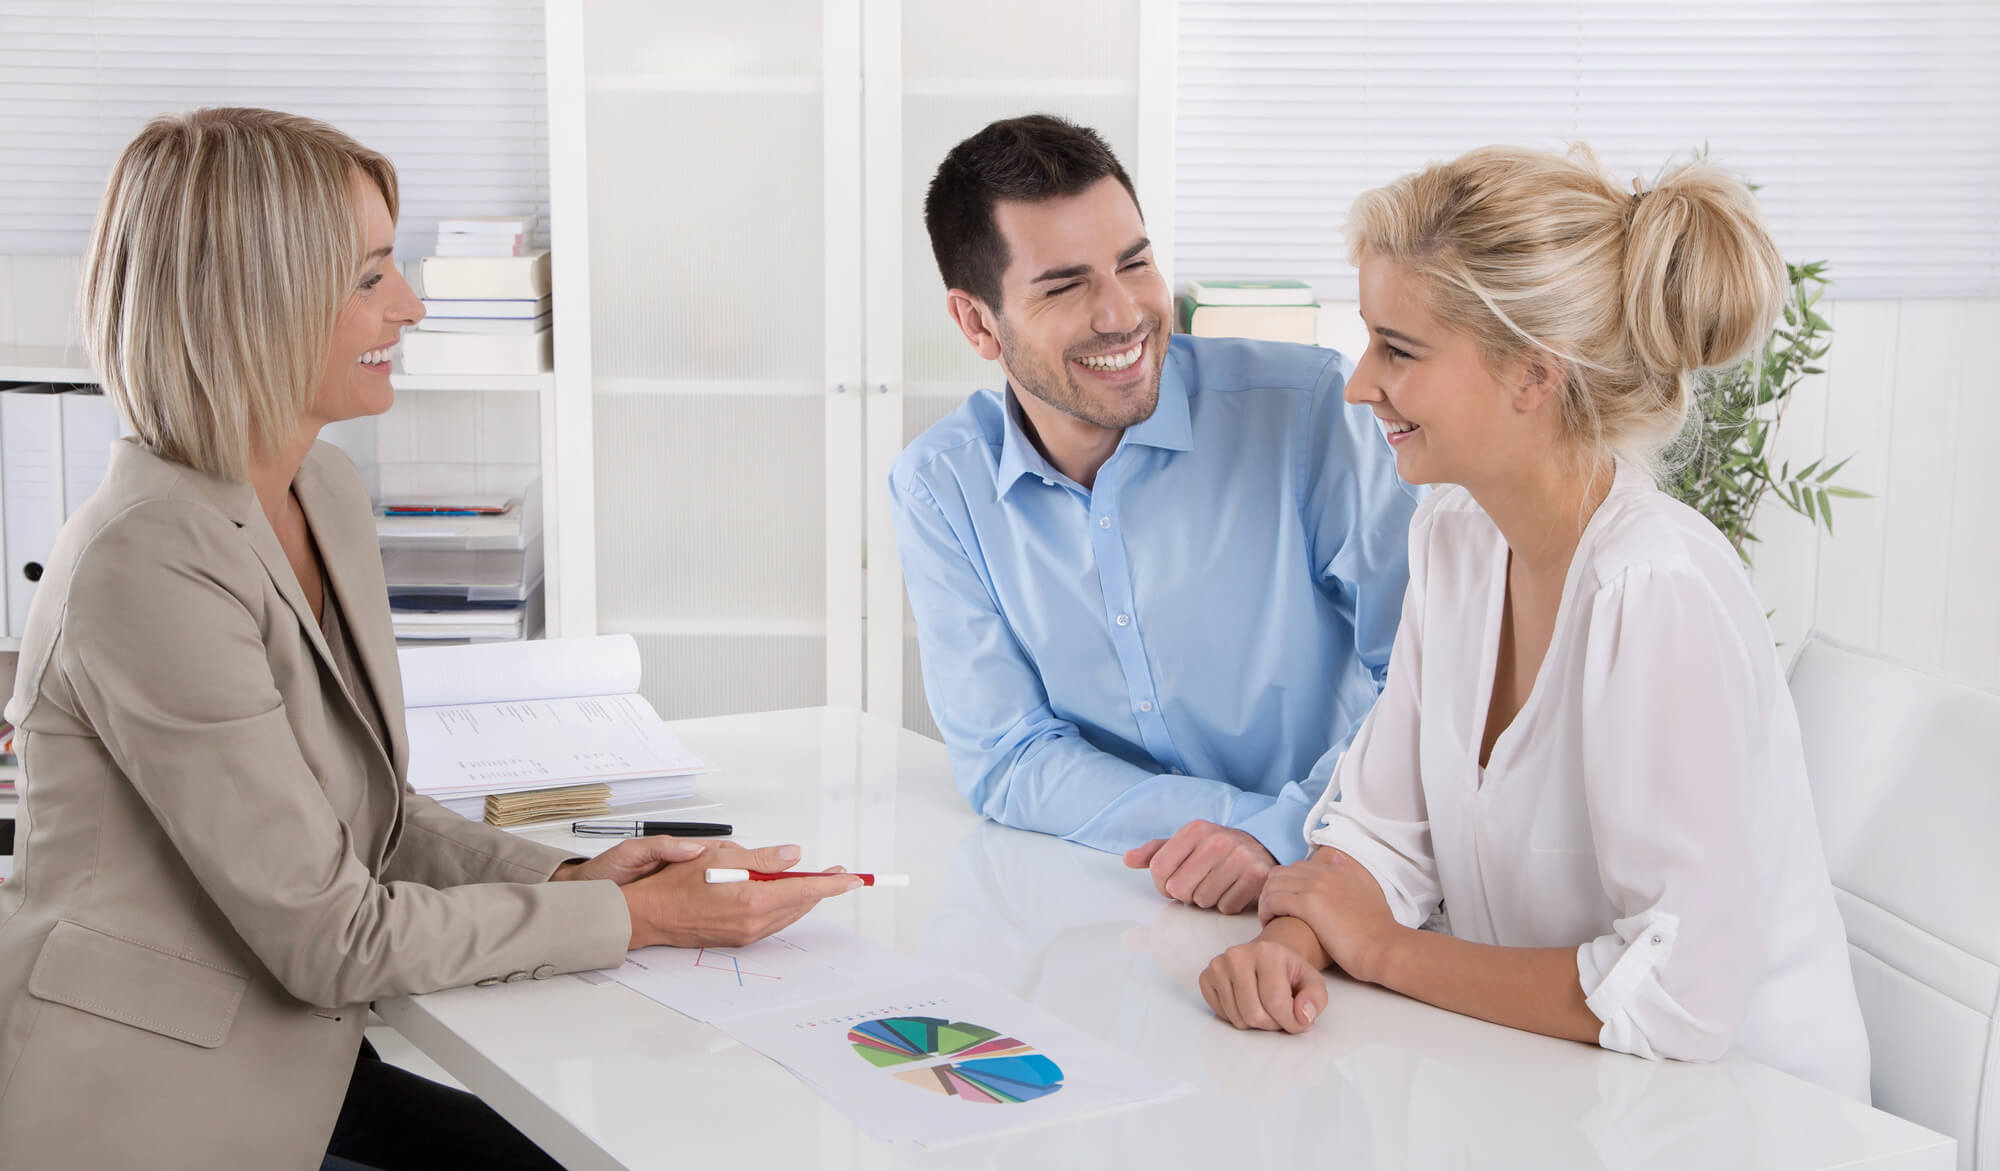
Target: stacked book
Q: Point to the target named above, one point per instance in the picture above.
(521, 732)
(463, 569)
(1278, 311)
(486, 302)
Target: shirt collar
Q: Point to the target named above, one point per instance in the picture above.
(1167, 428)
(1018, 455)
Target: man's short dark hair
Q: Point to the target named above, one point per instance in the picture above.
(1028, 159)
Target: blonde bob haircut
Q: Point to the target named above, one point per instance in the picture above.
(1636, 291)
(225, 248)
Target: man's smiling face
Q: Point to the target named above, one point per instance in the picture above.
(1085, 313)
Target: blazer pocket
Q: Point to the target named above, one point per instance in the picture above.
(137, 984)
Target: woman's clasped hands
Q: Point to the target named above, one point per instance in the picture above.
(672, 903)
(1325, 909)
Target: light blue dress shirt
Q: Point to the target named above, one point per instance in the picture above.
(1197, 635)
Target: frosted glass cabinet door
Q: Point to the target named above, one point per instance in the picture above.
(708, 328)
(962, 67)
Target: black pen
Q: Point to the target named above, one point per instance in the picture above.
(647, 829)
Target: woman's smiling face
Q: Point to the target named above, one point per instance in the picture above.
(1450, 416)
(371, 322)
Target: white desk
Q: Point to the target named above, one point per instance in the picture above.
(604, 1078)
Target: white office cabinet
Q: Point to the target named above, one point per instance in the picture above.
(692, 215)
(751, 323)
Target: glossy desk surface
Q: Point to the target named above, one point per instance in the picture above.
(604, 1078)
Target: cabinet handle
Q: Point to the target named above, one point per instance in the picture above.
(881, 388)
(840, 388)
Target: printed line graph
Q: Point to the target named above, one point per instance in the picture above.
(711, 960)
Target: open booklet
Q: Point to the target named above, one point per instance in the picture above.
(500, 718)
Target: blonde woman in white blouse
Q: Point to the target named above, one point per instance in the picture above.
(1586, 751)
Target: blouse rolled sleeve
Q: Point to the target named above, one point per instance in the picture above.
(1674, 751)
(1374, 809)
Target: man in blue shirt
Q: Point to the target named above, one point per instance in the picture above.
(1156, 580)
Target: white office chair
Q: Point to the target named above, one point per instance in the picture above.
(1905, 772)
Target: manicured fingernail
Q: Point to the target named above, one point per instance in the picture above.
(788, 853)
(1308, 1013)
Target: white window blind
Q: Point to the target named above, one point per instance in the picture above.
(451, 90)
(1872, 127)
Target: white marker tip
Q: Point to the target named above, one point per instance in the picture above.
(726, 874)
(892, 880)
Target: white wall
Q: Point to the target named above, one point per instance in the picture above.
(1912, 390)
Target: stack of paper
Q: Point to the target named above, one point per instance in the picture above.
(463, 568)
(501, 718)
(533, 805)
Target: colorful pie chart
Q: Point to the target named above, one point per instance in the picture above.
(990, 1067)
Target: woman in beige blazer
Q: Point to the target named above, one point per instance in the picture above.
(220, 864)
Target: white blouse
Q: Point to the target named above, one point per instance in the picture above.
(1648, 806)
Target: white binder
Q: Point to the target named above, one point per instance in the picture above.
(31, 448)
(90, 425)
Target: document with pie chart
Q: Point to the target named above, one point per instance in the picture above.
(949, 1060)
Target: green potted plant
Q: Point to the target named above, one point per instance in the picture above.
(1727, 469)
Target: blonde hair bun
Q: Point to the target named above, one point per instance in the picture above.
(1703, 280)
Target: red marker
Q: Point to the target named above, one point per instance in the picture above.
(725, 874)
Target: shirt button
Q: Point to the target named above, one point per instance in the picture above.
(1145, 705)
(1124, 620)
(1048, 483)
(1103, 522)
(516, 977)
(544, 972)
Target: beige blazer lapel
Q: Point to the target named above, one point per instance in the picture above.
(345, 530)
(334, 550)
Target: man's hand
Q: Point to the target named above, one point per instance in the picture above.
(1206, 865)
(678, 907)
(1342, 903)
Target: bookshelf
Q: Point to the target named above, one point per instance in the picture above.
(32, 363)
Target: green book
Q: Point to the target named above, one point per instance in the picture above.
(1274, 292)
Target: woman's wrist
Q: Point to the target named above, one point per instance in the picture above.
(1298, 935)
(1379, 957)
(633, 914)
